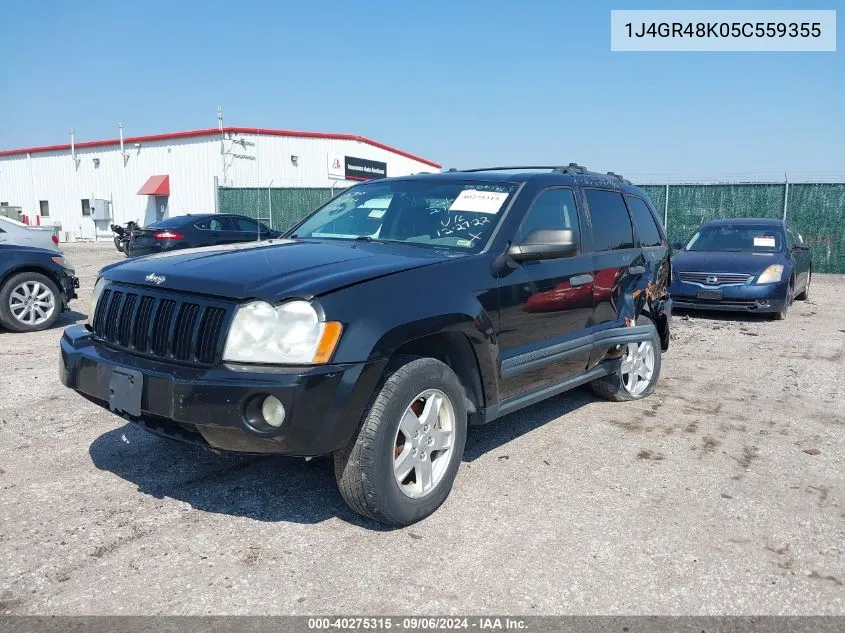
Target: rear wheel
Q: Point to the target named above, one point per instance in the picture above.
(29, 302)
(401, 465)
(638, 372)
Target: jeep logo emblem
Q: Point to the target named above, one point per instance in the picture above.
(712, 280)
(155, 279)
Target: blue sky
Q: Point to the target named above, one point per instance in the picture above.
(463, 83)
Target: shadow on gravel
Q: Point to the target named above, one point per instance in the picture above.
(69, 318)
(264, 488)
(276, 488)
(65, 319)
(492, 436)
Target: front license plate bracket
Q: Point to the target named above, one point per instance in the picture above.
(712, 295)
(125, 389)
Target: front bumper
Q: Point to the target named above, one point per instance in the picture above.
(735, 297)
(206, 406)
(69, 284)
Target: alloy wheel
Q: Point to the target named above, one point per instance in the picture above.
(637, 367)
(424, 443)
(32, 303)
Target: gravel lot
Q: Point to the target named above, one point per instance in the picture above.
(720, 494)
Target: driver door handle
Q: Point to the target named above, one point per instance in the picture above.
(580, 280)
(636, 270)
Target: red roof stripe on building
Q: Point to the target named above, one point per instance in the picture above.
(214, 132)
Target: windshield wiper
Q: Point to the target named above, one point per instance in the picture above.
(364, 238)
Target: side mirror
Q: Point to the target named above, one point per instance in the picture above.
(545, 244)
(678, 246)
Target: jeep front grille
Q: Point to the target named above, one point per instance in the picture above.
(161, 325)
(721, 278)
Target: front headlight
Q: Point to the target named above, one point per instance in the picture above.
(95, 297)
(771, 275)
(290, 333)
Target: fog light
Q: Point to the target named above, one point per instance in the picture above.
(273, 411)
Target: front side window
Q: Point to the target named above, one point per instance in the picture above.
(552, 209)
(610, 220)
(245, 224)
(737, 238)
(647, 229)
(453, 214)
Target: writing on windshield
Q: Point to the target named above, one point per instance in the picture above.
(452, 214)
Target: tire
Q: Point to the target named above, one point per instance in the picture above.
(806, 292)
(781, 314)
(118, 244)
(14, 294)
(366, 469)
(616, 387)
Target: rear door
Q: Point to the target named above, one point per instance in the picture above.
(546, 305)
(247, 230)
(651, 238)
(618, 265)
(217, 230)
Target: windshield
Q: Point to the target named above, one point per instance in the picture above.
(451, 214)
(739, 238)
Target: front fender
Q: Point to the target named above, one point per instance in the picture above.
(382, 315)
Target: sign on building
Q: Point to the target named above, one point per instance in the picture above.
(353, 168)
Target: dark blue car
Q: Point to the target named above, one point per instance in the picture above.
(745, 265)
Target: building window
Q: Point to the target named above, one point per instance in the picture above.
(86, 207)
(45, 208)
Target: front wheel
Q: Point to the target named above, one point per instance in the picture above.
(780, 315)
(29, 302)
(638, 372)
(401, 465)
(805, 294)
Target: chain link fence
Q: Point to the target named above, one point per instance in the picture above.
(815, 210)
(281, 207)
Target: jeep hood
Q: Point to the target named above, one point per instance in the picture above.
(274, 269)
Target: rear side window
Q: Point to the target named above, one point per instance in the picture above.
(646, 226)
(552, 209)
(610, 220)
(215, 224)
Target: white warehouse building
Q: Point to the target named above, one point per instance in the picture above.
(274, 175)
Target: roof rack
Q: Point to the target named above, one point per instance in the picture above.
(571, 168)
(618, 177)
(517, 168)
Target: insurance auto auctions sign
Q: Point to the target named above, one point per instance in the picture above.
(353, 168)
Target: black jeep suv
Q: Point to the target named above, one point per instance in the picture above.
(386, 322)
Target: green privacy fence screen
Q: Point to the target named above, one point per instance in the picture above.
(817, 211)
(285, 206)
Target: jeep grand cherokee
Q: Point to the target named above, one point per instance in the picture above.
(386, 322)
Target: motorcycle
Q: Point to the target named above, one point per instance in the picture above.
(121, 239)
